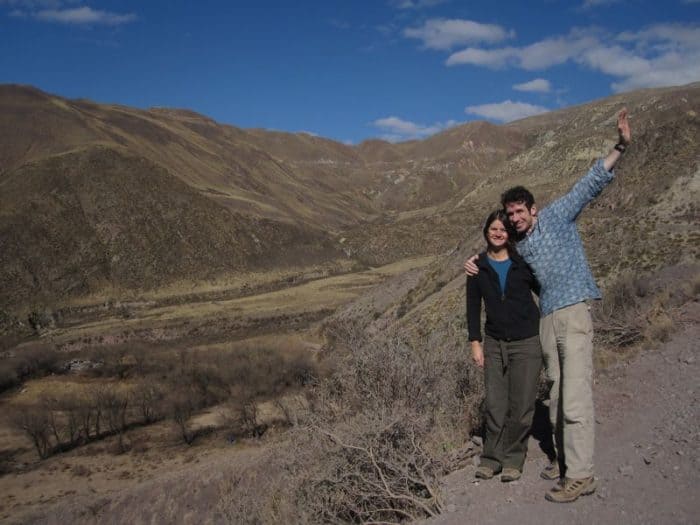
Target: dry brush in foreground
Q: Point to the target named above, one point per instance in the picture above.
(374, 439)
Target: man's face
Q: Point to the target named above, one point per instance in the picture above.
(520, 216)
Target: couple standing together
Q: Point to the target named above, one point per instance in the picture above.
(540, 251)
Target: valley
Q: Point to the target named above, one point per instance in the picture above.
(184, 302)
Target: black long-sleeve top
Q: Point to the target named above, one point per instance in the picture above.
(510, 316)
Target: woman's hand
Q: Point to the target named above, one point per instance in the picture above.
(478, 353)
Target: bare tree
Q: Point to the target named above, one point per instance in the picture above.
(181, 407)
(34, 422)
(115, 405)
(147, 399)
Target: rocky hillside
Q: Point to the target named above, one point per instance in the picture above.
(99, 196)
(98, 217)
(645, 221)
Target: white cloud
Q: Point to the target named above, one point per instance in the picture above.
(590, 4)
(416, 4)
(505, 111)
(538, 85)
(540, 55)
(396, 129)
(59, 11)
(670, 70)
(492, 58)
(83, 15)
(441, 33)
(660, 55)
(36, 4)
(554, 51)
(614, 61)
(661, 37)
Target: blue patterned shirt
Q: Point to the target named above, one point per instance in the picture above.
(554, 250)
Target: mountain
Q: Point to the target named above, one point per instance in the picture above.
(104, 197)
(643, 224)
(98, 196)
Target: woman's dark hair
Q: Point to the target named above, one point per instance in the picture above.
(500, 215)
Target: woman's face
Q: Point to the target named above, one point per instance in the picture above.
(497, 234)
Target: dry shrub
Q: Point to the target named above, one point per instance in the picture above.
(148, 399)
(437, 382)
(8, 376)
(618, 317)
(60, 423)
(36, 360)
(370, 447)
(34, 422)
(660, 328)
(116, 405)
(373, 468)
(293, 409)
(639, 307)
(182, 405)
(368, 469)
(266, 491)
(241, 417)
(239, 379)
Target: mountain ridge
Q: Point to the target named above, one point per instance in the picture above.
(372, 203)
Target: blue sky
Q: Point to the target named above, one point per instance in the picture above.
(349, 70)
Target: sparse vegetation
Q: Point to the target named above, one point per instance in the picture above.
(34, 360)
(374, 437)
(162, 385)
(638, 307)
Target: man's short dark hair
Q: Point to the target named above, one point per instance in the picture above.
(518, 194)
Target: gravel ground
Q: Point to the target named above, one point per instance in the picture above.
(647, 450)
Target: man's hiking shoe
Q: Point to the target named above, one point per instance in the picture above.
(484, 472)
(551, 471)
(510, 474)
(573, 488)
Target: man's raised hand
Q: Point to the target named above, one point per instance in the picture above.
(623, 127)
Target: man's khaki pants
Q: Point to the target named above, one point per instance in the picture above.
(567, 345)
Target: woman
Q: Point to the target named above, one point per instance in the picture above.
(510, 354)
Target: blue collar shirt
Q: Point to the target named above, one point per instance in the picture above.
(554, 250)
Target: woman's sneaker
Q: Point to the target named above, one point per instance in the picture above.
(559, 486)
(484, 472)
(551, 471)
(510, 474)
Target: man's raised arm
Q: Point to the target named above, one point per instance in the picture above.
(600, 175)
(625, 136)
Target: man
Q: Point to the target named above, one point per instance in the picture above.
(549, 242)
